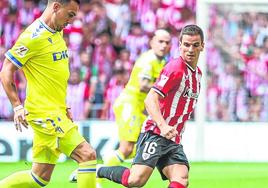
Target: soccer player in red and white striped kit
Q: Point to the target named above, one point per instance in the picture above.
(169, 104)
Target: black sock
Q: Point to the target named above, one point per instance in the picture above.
(113, 173)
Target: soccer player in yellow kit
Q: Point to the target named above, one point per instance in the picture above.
(129, 107)
(41, 53)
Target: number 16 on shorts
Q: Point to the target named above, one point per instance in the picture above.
(149, 149)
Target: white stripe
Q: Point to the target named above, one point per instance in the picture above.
(197, 87)
(191, 91)
(176, 99)
(186, 106)
(157, 91)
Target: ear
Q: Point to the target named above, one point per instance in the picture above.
(56, 6)
(202, 45)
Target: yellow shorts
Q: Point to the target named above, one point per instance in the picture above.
(53, 136)
(129, 117)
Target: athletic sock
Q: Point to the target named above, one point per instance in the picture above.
(118, 174)
(175, 184)
(86, 175)
(114, 159)
(23, 179)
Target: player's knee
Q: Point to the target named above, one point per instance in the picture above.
(127, 151)
(138, 181)
(126, 148)
(183, 181)
(88, 155)
(84, 153)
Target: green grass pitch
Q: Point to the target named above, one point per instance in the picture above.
(202, 175)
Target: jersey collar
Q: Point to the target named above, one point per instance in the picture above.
(188, 65)
(46, 26)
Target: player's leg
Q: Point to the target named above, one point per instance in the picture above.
(174, 166)
(177, 175)
(85, 155)
(38, 177)
(144, 162)
(129, 118)
(137, 176)
(117, 157)
(44, 159)
(75, 146)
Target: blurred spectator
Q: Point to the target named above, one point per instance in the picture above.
(136, 41)
(78, 96)
(11, 28)
(119, 13)
(124, 61)
(28, 12)
(104, 55)
(114, 88)
(213, 93)
(6, 109)
(85, 65)
(97, 88)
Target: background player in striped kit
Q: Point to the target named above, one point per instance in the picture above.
(169, 103)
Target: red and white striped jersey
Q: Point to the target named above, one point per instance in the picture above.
(179, 85)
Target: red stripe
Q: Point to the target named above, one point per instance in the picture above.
(125, 176)
(175, 184)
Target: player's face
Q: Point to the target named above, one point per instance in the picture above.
(190, 48)
(64, 14)
(161, 45)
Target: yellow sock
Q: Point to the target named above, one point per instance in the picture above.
(86, 175)
(23, 179)
(114, 159)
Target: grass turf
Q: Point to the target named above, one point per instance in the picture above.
(202, 175)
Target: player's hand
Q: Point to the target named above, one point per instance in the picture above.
(20, 114)
(168, 132)
(69, 114)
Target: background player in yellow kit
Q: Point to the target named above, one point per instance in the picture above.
(129, 106)
(41, 53)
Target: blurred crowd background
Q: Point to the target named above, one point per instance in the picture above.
(108, 35)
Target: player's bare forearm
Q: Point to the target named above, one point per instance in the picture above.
(6, 76)
(153, 108)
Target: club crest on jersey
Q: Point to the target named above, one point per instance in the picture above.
(60, 55)
(163, 80)
(21, 50)
(145, 156)
(188, 93)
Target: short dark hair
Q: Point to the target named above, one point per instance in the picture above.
(64, 1)
(192, 30)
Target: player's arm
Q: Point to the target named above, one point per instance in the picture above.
(153, 109)
(7, 79)
(145, 84)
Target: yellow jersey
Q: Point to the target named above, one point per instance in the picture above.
(42, 54)
(146, 66)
